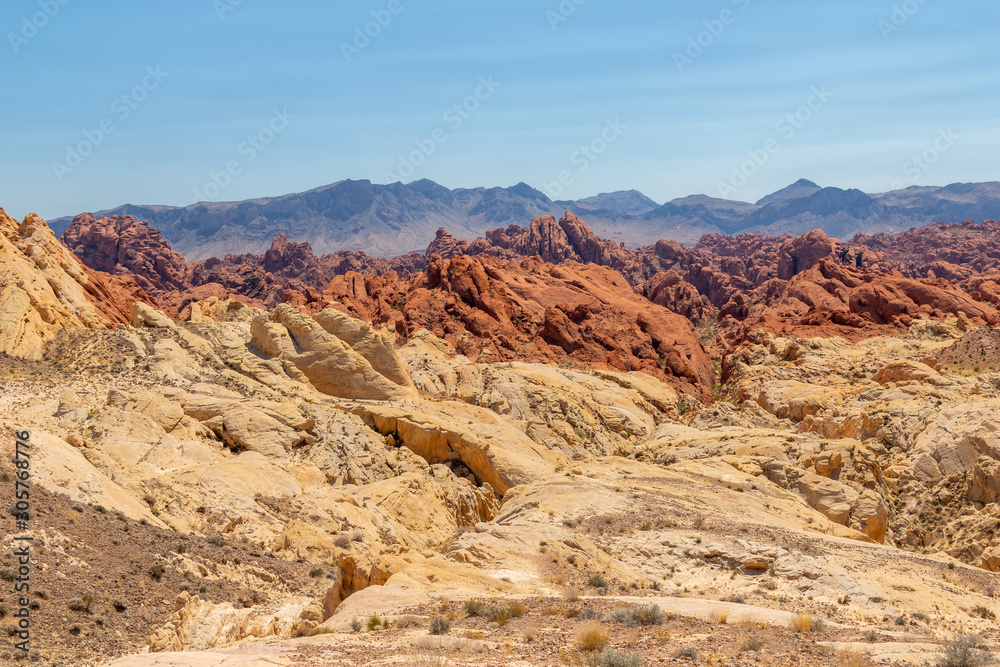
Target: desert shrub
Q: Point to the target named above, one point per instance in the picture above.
(688, 653)
(636, 616)
(119, 605)
(965, 651)
(475, 608)
(871, 636)
(157, 572)
(8, 573)
(802, 622)
(719, 616)
(516, 609)
(3, 610)
(612, 658)
(570, 594)
(984, 613)
(499, 616)
(587, 614)
(80, 604)
(591, 638)
(439, 626)
(316, 572)
(356, 624)
(215, 540)
(597, 581)
(374, 623)
(752, 644)
(342, 542)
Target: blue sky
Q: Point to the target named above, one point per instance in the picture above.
(230, 75)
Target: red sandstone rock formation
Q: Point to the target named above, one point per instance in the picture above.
(124, 246)
(835, 299)
(497, 310)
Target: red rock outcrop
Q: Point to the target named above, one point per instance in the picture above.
(811, 283)
(496, 310)
(124, 246)
(130, 248)
(835, 299)
(553, 241)
(941, 250)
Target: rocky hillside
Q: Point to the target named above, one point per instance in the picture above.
(761, 450)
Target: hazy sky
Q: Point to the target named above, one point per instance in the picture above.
(669, 97)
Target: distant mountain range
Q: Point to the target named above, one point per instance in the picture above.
(390, 220)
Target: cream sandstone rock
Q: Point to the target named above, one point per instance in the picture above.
(330, 364)
(42, 288)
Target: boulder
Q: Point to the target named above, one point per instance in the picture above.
(904, 371)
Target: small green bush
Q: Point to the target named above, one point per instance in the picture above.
(965, 651)
(615, 659)
(637, 616)
(688, 653)
(474, 608)
(440, 626)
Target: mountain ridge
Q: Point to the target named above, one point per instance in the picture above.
(394, 219)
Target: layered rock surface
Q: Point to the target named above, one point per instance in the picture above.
(44, 289)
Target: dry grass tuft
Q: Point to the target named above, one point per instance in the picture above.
(753, 620)
(802, 622)
(591, 638)
(849, 658)
(719, 616)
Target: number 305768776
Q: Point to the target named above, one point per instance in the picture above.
(22, 488)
